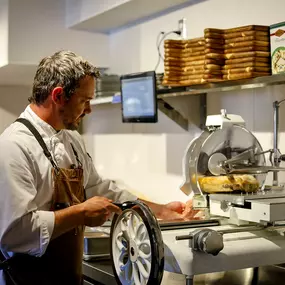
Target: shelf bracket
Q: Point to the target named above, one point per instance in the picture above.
(175, 116)
(203, 110)
(171, 113)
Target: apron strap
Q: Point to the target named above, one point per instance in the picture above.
(76, 156)
(3, 261)
(40, 140)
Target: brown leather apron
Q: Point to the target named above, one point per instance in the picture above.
(62, 261)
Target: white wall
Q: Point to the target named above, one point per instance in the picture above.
(4, 18)
(37, 29)
(13, 100)
(125, 51)
(147, 158)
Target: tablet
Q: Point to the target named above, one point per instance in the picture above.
(138, 97)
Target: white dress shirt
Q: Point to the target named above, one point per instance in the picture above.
(26, 184)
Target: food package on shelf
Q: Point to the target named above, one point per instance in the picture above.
(214, 53)
(247, 52)
(246, 67)
(184, 62)
(277, 41)
(222, 54)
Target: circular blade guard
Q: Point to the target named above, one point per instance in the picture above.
(226, 142)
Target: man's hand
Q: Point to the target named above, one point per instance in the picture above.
(93, 212)
(179, 211)
(173, 210)
(177, 207)
(189, 213)
(97, 210)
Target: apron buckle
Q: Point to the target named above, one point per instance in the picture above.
(4, 265)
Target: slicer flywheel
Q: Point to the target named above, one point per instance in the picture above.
(137, 250)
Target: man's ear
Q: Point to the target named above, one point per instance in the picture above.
(57, 96)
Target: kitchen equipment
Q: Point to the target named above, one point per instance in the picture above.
(96, 245)
(224, 149)
(107, 85)
(141, 249)
(244, 226)
(136, 246)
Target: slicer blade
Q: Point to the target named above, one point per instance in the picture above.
(214, 164)
(211, 148)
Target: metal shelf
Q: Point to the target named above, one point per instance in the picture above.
(202, 91)
(101, 100)
(232, 85)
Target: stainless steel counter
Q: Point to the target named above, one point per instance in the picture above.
(99, 271)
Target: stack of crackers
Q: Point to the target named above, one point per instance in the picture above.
(214, 55)
(230, 54)
(184, 62)
(247, 52)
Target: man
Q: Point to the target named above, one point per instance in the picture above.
(49, 187)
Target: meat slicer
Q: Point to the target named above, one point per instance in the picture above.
(229, 152)
(243, 225)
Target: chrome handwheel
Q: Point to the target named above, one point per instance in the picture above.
(136, 246)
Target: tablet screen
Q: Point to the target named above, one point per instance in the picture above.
(138, 95)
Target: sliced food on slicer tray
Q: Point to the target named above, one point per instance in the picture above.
(231, 183)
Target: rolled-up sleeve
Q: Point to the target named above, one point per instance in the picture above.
(23, 228)
(96, 186)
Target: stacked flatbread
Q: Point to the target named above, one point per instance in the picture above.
(214, 55)
(184, 62)
(230, 54)
(247, 52)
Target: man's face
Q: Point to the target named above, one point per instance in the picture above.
(79, 104)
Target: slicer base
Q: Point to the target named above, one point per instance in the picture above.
(241, 250)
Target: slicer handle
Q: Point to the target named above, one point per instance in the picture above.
(125, 205)
(282, 157)
(248, 154)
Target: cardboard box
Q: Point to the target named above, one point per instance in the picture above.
(277, 43)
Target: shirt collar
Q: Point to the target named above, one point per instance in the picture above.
(38, 122)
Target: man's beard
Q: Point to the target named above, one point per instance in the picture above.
(71, 125)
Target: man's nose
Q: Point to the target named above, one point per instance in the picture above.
(87, 109)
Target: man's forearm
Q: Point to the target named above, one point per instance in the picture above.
(156, 208)
(169, 211)
(67, 219)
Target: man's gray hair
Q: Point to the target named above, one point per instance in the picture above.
(64, 69)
